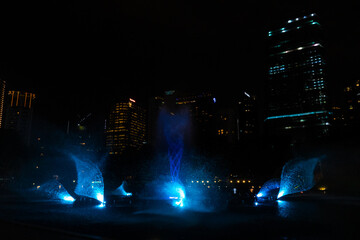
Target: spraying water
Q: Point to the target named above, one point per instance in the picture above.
(297, 176)
(269, 188)
(56, 191)
(174, 126)
(90, 181)
(120, 191)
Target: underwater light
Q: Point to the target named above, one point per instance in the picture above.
(68, 198)
(280, 194)
(181, 192)
(100, 197)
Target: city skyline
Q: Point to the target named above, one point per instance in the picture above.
(88, 53)
(167, 119)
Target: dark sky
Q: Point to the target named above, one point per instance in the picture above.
(77, 54)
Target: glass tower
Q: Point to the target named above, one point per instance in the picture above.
(297, 101)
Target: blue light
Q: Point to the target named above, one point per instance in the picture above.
(100, 197)
(55, 190)
(297, 176)
(68, 198)
(121, 190)
(175, 191)
(181, 192)
(259, 195)
(90, 181)
(280, 194)
(101, 205)
(295, 115)
(214, 100)
(180, 198)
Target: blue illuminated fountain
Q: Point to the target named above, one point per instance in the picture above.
(269, 189)
(174, 127)
(297, 176)
(90, 182)
(55, 191)
(120, 191)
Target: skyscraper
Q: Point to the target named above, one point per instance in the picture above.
(247, 120)
(297, 101)
(2, 101)
(19, 113)
(125, 127)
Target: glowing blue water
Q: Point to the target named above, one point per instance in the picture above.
(90, 182)
(121, 191)
(269, 188)
(176, 192)
(56, 191)
(297, 176)
(174, 126)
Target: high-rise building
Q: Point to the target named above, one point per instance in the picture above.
(19, 113)
(347, 115)
(297, 100)
(247, 120)
(2, 101)
(125, 127)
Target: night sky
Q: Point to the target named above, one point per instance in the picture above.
(76, 56)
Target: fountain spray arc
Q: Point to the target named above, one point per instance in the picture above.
(174, 127)
(90, 181)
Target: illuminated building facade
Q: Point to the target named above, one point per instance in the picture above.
(19, 113)
(297, 101)
(2, 101)
(125, 127)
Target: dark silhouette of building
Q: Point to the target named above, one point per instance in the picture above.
(2, 101)
(216, 121)
(19, 113)
(346, 118)
(247, 121)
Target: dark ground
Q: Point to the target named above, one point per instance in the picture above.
(326, 217)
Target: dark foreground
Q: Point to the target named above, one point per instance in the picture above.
(304, 218)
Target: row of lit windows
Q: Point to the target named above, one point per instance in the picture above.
(284, 30)
(282, 68)
(224, 132)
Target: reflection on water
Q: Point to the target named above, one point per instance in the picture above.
(301, 210)
(285, 209)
